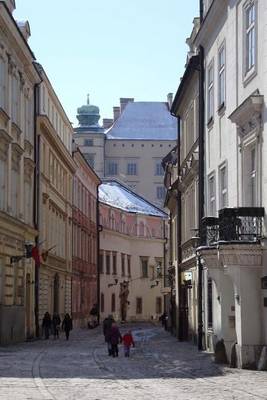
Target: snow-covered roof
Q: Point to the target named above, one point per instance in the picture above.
(115, 194)
(144, 120)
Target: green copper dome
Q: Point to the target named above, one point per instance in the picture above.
(88, 115)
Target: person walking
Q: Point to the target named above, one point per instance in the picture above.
(127, 341)
(56, 321)
(107, 323)
(67, 325)
(115, 338)
(46, 325)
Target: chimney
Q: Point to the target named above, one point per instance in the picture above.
(24, 27)
(107, 123)
(116, 113)
(124, 101)
(169, 99)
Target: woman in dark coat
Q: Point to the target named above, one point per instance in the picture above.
(46, 325)
(67, 325)
(115, 338)
(56, 321)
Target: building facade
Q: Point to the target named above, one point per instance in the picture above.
(55, 187)
(84, 240)
(232, 37)
(132, 255)
(130, 147)
(18, 78)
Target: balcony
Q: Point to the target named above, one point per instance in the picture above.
(242, 224)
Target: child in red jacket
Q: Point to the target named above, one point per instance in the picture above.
(127, 342)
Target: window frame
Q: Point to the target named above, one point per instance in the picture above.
(132, 169)
(222, 72)
(212, 199)
(249, 72)
(210, 90)
(223, 191)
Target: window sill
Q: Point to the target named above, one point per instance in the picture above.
(210, 122)
(249, 75)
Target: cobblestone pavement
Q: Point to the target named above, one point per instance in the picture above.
(159, 368)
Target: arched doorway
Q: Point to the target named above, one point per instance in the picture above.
(56, 294)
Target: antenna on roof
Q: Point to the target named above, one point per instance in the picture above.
(88, 101)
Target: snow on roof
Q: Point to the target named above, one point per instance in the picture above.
(115, 194)
(144, 120)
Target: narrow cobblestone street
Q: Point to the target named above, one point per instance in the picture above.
(159, 368)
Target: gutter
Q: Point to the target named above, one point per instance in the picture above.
(99, 229)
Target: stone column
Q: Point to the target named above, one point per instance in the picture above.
(243, 263)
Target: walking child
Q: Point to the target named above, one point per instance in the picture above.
(127, 342)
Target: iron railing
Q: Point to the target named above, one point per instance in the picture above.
(242, 224)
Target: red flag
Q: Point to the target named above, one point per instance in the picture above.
(36, 255)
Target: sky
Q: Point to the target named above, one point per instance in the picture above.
(109, 48)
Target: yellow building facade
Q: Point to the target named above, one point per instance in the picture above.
(56, 170)
(18, 79)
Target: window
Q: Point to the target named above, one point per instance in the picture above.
(101, 269)
(90, 158)
(131, 169)
(160, 192)
(88, 142)
(3, 180)
(112, 168)
(250, 40)
(113, 303)
(223, 187)
(139, 305)
(144, 267)
(15, 188)
(252, 177)
(210, 92)
(129, 265)
(158, 305)
(210, 296)
(15, 99)
(122, 265)
(3, 87)
(114, 265)
(221, 71)
(212, 197)
(159, 170)
(107, 264)
(102, 302)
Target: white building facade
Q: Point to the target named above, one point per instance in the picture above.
(233, 35)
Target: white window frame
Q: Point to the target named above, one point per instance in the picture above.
(210, 92)
(212, 209)
(250, 66)
(132, 168)
(222, 77)
(3, 83)
(111, 168)
(223, 187)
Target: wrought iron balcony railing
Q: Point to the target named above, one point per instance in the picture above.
(242, 224)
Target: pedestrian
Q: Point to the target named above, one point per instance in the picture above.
(107, 323)
(67, 325)
(127, 341)
(115, 338)
(46, 325)
(56, 321)
(93, 317)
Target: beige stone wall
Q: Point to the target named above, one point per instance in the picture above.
(17, 80)
(135, 247)
(146, 154)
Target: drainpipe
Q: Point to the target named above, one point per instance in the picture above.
(201, 187)
(179, 235)
(36, 201)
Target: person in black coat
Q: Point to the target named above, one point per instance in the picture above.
(67, 325)
(46, 325)
(56, 321)
(107, 323)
